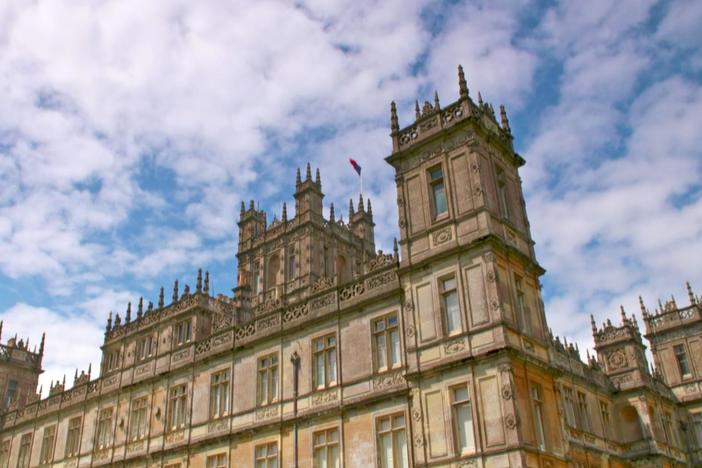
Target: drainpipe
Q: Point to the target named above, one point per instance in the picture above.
(295, 360)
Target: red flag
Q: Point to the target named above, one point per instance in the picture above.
(356, 166)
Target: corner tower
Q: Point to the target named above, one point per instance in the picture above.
(20, 368)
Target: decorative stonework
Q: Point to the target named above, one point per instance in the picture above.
(175, 436)
(511, 421)
(220, 425)
(181, 355)
(323, 301)
(321, 284)
(267, 412)
(507, 392)
(380, 261)
(387, 380)
(616, 360)
(325, 397)
(442, 236)
(135, 446)
(454, 346)
(418, 440)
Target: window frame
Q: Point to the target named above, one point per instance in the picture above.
(271, 371)
(583, 412)
(432, 184)
(215, 457)
(103, 430)
(681, 358)
(180, 337)
(392, 431)
(329, 361)
(139, 407)
(267, 458)
(177, 411)
(73, 436)
(387, 333)
(220, 392)
(48, 445)
(443, 294)
(326, 445)
(502, 186)
(537, 407)
(605, 419)
(145, 348)
(24, 453)
(569, 406)
(455, 405)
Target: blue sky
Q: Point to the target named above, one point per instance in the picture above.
(131, 131)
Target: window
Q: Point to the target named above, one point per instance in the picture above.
(386, 342)
(438, 191)
(257, 288)
(104, 428)
(145, 347)
(502, 193)
(668, 429)
(24, 450)
(697, 425)
(324, 351)
(219, 394)
(392, 441)
(683, 364)
(604, 416)
(449, 303)
(522, 310)
(11, 393)
(139, 421)
(73, 437)
(112, 360)
(569, 406)
(292, 266)
(583, 415)
(183, 332)
(462, 419)
(177, 399)
(47, 445)
(326, 448)
(537, 405)
(268, 379)
(267, 455)
(217, 461)
(326, 263)
(272, 274)
(4, 453)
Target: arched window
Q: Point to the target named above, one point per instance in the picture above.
(272, 272)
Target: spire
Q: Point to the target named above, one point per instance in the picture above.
(642, 306)
(140, 310)
(370, 209)
(150, 307)
(243, 209)
(417, 114)
(308, 174)
(360, 203)
(198, 283)
(436, 101)
(690, 295)
(332, 218)
(505, 121)
(394, 123)
(251, 205)
(318, 178)
(394, 248)
(621, 309)
(186, 290)
(480, 99)
(462, 85)
(1, 330)
(285, 212)
(43, 337)
(350, 208)
(108, 327)
(128, 315)
(298, 178)
(207, 283)
(593, 325)
(175, 291)
(160, 299)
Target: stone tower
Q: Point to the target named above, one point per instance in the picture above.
(19, 372)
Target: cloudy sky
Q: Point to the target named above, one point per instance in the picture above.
(130, 131)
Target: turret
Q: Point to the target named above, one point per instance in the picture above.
(308, 196)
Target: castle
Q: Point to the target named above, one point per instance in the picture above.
(331, 354)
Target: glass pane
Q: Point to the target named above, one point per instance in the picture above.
(464, 425)
(381, 351)
(387, 460)
(332, 366)
(395, 351)
(401, 446)
(449, 284)
(398, 421)
(460, 394)
(439, 199)
(319, 372)
(392, 320)
(274, 384)
(380, 325)
(263, 389)
(334, 458)
(436, 174)
(453, 317)
(384, 424)
(320, 458)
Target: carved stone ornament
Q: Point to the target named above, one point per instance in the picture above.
(416, 414)
(475, 167)
(411, 331)
(418, 440)
(409, 306)
(511, 421)
(322, 283)
(402, 223)
(490, 277)
(616, 360)
(495, 304)
(507, 392)
(489, 257)
(467, 464)
(454, 346)
(218, 426)
(443, 235)
(267, 412)
(387, 380)
(323, 398)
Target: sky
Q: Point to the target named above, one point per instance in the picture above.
(130, 132)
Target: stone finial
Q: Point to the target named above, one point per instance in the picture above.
(251, 205)
(492, 110)
(370, 209)
(623, 314)
(672, 301)
(1, 330)
(394, 122)
(43, 339)
(504, 120)
(128, 315)
(285, 212)
(186, 290)
(350, 208)
(417, 112)
(480, 100)
(198, 283)
(643, 307)
(140, 309)
(150, 307)
(394, 248)
(332, 217)
(161, 301)
(690, 294)
(298, 178)
(593, 325)
(207, 283)
(436, 101)
(108, 327)
(308, 174)
(360, 203)
(118, 320)
(462, 85)
(243, 209)
(175, 291)
(318, 178)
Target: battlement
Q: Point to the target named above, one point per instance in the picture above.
(668, 316)
(17, 352)
(609, 334)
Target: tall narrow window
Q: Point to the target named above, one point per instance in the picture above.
(267, 455)
(272, 273)
(697, 424)
(292, 266)
(257, 289)
(522, 310)
(104, 428)
(5, 453)
(462, 419)
(537, 404)
(183, 332)
(324, 350)
(668, 429)
(326, 448)
(24, 450)
(326, 263)
(47, 445)
(219, 394)
(569, 406)
(73, 437)
(392, 441)
(177, 407)
(386, 342)
(138, 420)
(606, 422)
(268, 379)
(145, 347)
(438, 191)
(449, 303)
(11, 392)
(111, 360)
(217, 461)
(583, 413)
(683, 364)
(502, 193)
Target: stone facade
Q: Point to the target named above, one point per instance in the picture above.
(332, 354)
